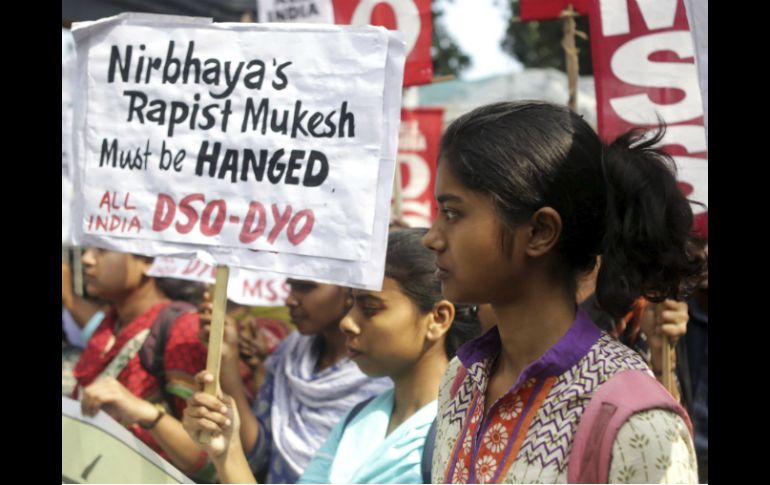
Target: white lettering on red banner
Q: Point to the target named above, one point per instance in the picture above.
(645, 71)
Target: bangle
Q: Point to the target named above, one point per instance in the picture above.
(161, 413)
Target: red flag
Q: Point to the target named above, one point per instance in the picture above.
(418, 147)
(549, 9)
(644, 68)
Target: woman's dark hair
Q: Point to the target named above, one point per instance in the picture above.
(413, 267)
(182, 290)
(619, 201)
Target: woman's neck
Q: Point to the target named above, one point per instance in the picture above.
(136, 303)
(419, 386)
(333, 347)
(531, 325)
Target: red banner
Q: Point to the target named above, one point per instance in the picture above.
(549, 9)
(644, 69)
(411, 17)
(418, 146)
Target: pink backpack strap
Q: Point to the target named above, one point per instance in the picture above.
(462, 372)
(624, 394)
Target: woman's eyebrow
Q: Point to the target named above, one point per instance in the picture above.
(448, 198)
(366, 296)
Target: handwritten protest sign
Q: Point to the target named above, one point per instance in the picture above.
(67, 75)
(251, 288)
(100, 450)
(236, 141)
(183, 269)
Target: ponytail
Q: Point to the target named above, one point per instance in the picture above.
(648, 248)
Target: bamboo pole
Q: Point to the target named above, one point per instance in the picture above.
(571, 55)
(216, 334)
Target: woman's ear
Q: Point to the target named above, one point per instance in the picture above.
(440, 320)
(545, 229)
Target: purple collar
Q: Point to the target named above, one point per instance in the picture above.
(558, 359)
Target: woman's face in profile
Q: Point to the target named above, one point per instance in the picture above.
(314, 307)
(112, 275)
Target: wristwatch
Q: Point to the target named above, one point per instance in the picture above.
(161, 412)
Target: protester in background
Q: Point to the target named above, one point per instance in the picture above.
(695, 351)
(644, 329)
(310, 383)
(528, 197)
(80, 317)
(260, 330)
(78, 312)
(685, 325)
(110, 373)
(407, 332)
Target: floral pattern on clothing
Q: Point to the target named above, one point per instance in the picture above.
(643, 453)
(485, 469)
(538, 435)
(461, 474)
(512, 409)
(496, 438)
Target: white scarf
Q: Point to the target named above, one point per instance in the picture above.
(306, 406)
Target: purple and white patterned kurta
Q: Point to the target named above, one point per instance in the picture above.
(526, 436)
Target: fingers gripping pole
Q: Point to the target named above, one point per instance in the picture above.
(214, 357)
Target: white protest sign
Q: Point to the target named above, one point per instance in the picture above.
(698, 18)
(253, 288)
(179, 156)
(287, 132)
(306, 11)
(99, 450)
(67, 77)
(368, 274)
(183, 269)
(246, 287)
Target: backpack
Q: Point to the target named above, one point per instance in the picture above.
(624, 394)
(151, 354)
(427, 450)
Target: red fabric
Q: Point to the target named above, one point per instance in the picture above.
(418, 147)
(701, 225)
(634, 317)
(549, 9)
(273, 330)
(643, 63)
(184, 357)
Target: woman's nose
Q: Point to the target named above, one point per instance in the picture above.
(349, 326)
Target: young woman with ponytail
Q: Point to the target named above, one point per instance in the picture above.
(529, 196)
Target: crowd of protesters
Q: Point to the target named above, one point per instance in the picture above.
(558, 268)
